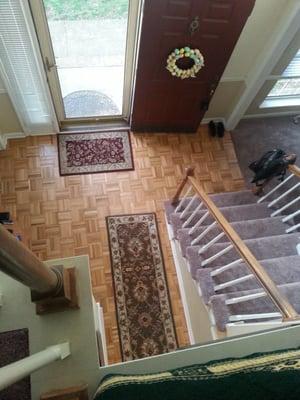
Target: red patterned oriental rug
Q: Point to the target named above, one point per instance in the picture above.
(88, 153)
(144, 314)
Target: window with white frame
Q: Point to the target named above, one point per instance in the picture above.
(286, 90)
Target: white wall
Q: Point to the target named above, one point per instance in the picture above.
(256, 33)
(260, 28)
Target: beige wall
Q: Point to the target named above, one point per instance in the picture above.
(250, 47)
(225, 98)
(9, 121)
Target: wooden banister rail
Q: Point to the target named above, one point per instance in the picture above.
(17, 261)
(287, 310)
(52, 289)
(295, 170)
(189, 172)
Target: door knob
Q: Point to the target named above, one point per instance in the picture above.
(194, 25)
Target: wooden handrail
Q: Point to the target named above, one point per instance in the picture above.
(282, 303)
(188, 172)
(294, 169)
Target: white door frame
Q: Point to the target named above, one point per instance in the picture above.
(47, 53)
(275, 46)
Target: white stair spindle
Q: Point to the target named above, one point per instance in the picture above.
(183, 198)
(201, 235)
(187, 222)
(246, 317)
(202, 219)
(288, 217)
(283, 195)
(236, 300)
(233, 282)
(215, 256)
(293, 228)
(285, 207)
(226, 267)
(214, 240)
(274, 189)
(18, 370)
(186, 210)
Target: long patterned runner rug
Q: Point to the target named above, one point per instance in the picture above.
(144, 314)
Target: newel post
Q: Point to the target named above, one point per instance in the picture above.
(52, 289)
(189, 172)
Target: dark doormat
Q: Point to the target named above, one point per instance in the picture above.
(88, 153)
(14, 345)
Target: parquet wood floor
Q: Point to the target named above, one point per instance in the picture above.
(65, 216)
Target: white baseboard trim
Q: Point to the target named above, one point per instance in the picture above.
(273, 114)
(11, 135)
(3, 142)
(2, 91)
(205, 121)
(4, 137)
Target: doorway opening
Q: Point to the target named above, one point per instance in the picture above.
(88, 49)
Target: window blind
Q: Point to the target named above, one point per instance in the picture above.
(21, 68)
(293, 69)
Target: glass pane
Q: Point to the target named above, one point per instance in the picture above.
(293, 69)
(286, 87)
(89, 41)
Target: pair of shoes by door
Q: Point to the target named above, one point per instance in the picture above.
(216, 128)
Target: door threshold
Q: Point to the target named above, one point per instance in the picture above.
(95, 127)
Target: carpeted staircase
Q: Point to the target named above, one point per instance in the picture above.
(228, 276)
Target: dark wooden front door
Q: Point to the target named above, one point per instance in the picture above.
(166, 103)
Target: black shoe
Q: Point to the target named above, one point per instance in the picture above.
(212, 128)
(220, 129)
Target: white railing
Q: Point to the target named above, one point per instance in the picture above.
(195, 220)
(295, 175)
(20, 369)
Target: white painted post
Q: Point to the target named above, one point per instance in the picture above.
(247, 317)
(283, 195)
(285, 207)
(209, 244)
(233, 282)
(290, 216)
(202, 219)
(201, 235)
(217, 255)
(192, 216)
(293, 228)
(274, 189)
(190, 189)
(226, 267)
(20, 369)
(186, 210)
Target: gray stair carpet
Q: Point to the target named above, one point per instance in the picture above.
(231, 213)
(282, 270)
(248, 229)
(220, 199)
(222, 311)
(262, 248)
(264, 235)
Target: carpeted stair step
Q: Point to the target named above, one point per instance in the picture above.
(262, 248)
(222, 311)
(246, 230)
(233, 198)
(282, 270)
(232, 214)
(220, 199)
